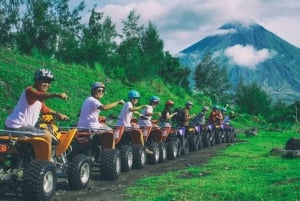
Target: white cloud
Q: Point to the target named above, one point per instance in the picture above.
(247, 56)
(183, 23)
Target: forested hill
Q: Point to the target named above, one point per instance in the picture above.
(17, 73)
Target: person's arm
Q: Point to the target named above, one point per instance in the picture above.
(169, 116)
(47, 110)
(111, 105)
(32, 95)
(136, 108)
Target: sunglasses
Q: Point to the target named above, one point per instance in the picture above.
(99, 90)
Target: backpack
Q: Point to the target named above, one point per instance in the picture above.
(179, 117)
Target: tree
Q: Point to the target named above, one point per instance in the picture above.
(152, 51)
(172, 72)
(9, 18)
(252, 99)
(98, 42)
(212, 80)
(130, 47)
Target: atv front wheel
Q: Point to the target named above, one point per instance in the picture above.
(110, 165)
(185, 147)
(139, 156)
(39, 181)
(193, 142)
(79, 171)
(126, 158)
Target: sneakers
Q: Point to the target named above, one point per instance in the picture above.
(148, 151)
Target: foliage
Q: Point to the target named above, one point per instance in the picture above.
(252, 99)
(211, 79)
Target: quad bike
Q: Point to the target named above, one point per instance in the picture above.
(159, 136)
(194, 137)
(219, 133)
(229, 133)
(131, 143)
(178, 137)
(208, 135)
(99, 145)
(31, 161)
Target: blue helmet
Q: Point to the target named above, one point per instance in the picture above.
(133, 94)
(216, 107)
(154, 99)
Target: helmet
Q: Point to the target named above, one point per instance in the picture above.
(97, 85)
(133, 94)
(205, 108)
(189, 103)
(216, 107)
(154, 99)
(223, 109)
(169, 102)
(43, 74)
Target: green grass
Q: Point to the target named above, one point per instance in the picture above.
(244, 171)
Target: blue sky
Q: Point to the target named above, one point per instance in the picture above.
(181, 23)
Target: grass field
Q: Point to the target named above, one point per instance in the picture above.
(245, 171)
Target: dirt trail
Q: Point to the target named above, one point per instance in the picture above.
(101, 190)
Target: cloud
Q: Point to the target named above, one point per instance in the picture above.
(247, 56)
(183, 23)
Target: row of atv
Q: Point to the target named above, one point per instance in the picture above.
(25, 163)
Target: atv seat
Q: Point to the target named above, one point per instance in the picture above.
(13, 133)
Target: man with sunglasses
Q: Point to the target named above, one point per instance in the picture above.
(91, 107)
(32, 102)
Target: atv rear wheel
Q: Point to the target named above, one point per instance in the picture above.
(79, 171)
(153, 158)
(126, 158)
(200, 138)
(40, 181)
(185, 147)
(162, 152)
(110, 165)
(193, 142)
(172, 150)
(139, 156)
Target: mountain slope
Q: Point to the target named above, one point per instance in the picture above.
(253, 54)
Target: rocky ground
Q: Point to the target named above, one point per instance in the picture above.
(101, 190)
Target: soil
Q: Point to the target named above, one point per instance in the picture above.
(101, 190)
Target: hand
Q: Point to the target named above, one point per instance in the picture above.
(158, 113)
(63, 117)
(63, 96)
(121, 102)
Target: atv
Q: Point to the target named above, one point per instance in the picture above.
(130, 141)
(178, 137)
(194, 137)
(208, 135)
(29, 160)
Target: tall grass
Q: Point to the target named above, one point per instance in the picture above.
(245, 171)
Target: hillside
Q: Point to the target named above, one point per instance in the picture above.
(253, 54)
(17, 73)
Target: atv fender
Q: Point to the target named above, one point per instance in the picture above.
(65, 141)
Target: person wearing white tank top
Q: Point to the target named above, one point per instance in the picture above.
(31, 103)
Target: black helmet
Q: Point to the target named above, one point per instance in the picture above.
(43, 73)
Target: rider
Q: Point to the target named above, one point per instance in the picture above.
(26, 113)
(186, 114)
(166, 115)
(147, 113)
(200, 118)
(91, 107)
(214, 114)
(124, 118)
